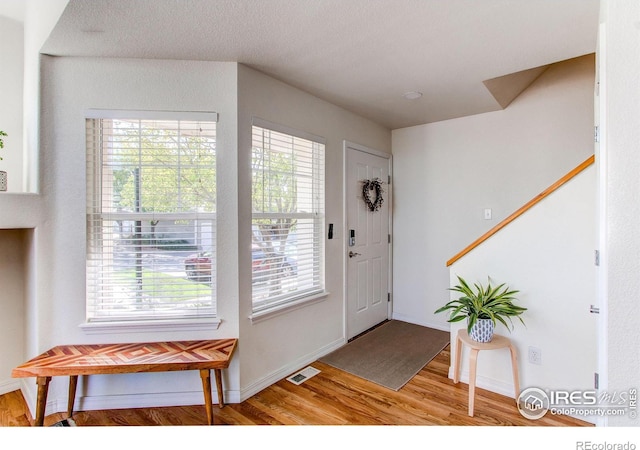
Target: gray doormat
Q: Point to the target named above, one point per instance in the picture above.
(391, 354)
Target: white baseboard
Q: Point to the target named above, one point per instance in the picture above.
(9, 386)
(147, 400)
(287, 370)
(499, 387)
(434, 325)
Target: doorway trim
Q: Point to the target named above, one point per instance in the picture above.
(346, 146)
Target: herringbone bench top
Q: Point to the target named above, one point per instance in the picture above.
(91, 359)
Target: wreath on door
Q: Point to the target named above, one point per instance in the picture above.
(370, 187)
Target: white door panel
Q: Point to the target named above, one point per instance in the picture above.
(368, 266)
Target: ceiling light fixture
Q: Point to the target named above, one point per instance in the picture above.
(412, 95)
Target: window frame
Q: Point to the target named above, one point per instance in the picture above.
(267, 309)
(98, 325)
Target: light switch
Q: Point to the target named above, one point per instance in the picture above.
(487, 214)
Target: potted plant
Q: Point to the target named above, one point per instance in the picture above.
(3, 174)
(483, 307)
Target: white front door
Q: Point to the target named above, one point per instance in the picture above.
(368, 240)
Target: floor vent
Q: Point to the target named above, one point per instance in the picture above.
(303, 375)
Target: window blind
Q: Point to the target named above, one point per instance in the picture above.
(151, 216)
(288, 217)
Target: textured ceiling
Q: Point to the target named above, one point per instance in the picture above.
(359, 54)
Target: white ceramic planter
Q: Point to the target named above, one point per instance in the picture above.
(482, 330)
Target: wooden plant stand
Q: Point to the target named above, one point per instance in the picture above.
(496, 343)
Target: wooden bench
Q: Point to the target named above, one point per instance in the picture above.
(75, 360)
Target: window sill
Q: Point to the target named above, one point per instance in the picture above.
(147, 326)
(287, 307)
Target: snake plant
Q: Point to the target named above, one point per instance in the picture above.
(495, 303)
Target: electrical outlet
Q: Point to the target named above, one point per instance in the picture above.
(535, 355)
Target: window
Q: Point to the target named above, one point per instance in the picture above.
(151, 215)
(288, 216)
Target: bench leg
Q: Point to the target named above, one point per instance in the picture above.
(218, 373)
(43, 389)
(73, 382)
(206, 387)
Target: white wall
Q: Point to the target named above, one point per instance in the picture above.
(20, 213)
(13, 251)
(620, 116)
(447, 173)
(24, 27)
(11, 76)
(40, 16)
(283, 344)
(546, 254)
(56, 307)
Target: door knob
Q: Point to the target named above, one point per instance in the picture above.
(352, 254)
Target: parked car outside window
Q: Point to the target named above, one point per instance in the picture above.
(264, 266)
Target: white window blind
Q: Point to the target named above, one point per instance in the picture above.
(288, 217)
(151, 215)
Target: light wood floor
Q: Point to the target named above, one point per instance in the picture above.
(332, 397)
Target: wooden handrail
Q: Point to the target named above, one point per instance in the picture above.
(523, 209)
